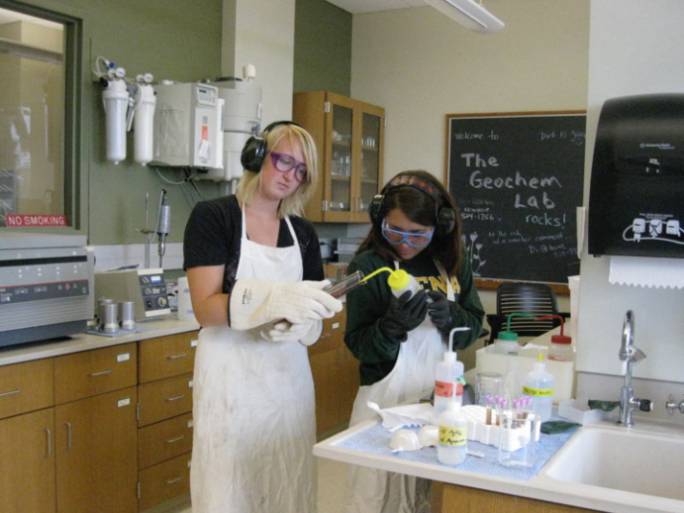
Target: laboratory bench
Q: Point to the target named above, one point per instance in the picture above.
(100, 423)
(598, 467)
(103, 422)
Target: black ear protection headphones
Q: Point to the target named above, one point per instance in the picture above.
(445, 216)
(256, 147)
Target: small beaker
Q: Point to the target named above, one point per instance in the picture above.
(488, 385)
(127, 315)
(109, 317)
(517, 445)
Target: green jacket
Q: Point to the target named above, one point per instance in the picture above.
(366, 305)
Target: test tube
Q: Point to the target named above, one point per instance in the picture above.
(346, 284)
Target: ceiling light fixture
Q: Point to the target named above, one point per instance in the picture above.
(468, 13)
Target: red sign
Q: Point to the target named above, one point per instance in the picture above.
(32, 220)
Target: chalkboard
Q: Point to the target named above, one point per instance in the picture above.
(518, 180)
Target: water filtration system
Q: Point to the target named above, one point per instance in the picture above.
(635, 205)
(126, 103)
(143, 129)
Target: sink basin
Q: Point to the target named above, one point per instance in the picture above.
(631, 460)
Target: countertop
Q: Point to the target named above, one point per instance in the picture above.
(539, 486)
(168, 325)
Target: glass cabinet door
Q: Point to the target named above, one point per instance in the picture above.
(370, 159)
(341, 160)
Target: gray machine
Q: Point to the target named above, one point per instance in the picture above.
(46, 284)
(145, 287)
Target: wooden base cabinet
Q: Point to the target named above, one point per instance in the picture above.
(165, 418)
(336, 377)
(449, 498)
(27, 463)
(97, 452)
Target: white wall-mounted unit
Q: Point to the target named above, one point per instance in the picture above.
(188, 126)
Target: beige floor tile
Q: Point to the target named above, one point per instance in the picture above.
(332, 488)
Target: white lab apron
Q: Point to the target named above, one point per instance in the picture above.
(253, 410)
(411, 379)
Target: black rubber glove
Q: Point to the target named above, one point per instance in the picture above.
(440, 312)
(404, 314)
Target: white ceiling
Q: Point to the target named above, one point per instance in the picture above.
(358, 6)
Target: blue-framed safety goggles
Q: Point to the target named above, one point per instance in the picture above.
(416, 239)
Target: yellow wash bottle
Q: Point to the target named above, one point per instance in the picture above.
(400, 281)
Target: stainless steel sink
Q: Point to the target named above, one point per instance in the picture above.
(642, 461)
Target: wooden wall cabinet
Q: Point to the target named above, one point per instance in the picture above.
(349, 136)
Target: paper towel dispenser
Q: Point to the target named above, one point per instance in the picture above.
(636, 200)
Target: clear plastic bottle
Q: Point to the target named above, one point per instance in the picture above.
(400, 281)
(448, 374)
(452, 447)
(539, 385)
(506, 342)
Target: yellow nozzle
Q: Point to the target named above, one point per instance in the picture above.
(399, 279)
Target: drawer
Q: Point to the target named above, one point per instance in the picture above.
(164, 399)
(164, 481)
(164, 357)
(164, 440)
(90, 373)
(26, 387)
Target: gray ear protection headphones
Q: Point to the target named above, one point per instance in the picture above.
(445, 216)
(256, 147)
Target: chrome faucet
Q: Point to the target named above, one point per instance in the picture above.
(630, 354)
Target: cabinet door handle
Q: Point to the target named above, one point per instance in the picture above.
(174, 440)
(69, 435)
(48, 440)
(174, 480)
(176, 356)
(175, 397)
(100, 373)
(10, 393)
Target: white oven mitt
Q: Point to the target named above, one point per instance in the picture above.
(256, 302)
(306, 333)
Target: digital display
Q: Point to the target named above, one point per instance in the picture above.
(155, 279)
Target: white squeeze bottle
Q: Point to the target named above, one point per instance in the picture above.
(400, 281)
(452, 446)
(539, 385)
(448, 376)
(447, 373)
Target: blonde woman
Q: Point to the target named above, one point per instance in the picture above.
(256, 283)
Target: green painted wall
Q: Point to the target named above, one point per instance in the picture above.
(322, 52)
(179, 40)
(174, 39)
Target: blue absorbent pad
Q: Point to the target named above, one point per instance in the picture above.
(376, 439)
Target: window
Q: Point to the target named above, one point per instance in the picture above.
(39, 106)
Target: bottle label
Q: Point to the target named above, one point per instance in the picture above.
(450, 436)
(446, 388)
(538, 392)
